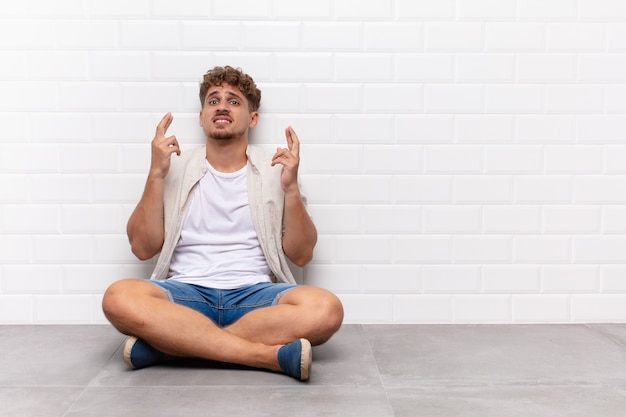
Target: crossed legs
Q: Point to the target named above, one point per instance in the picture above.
(142, 309)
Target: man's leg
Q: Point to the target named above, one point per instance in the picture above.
(305, 312)
(142, 309)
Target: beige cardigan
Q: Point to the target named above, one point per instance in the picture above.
(265, 196)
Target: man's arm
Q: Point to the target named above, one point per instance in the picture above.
(145, 226)
(299, 232)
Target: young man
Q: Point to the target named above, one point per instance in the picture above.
(225, 219)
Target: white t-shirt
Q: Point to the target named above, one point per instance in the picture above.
(218, 246)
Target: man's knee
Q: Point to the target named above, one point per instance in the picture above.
(122, 300)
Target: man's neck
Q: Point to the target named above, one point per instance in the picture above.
(227, 155)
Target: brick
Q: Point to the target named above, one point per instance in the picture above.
(199, 35)
(602, 68)
(542, 249)
(601, 129)
(361, 129)
(363, 249)
(333, 159)
(28, 158)
(81, 96)
(457, 159)
(90, 158)
(374, 67)
(577, 37)
(62, 249)
(517, 220)
(616, 37)
(403, 36)
(482, 308)
(540, 189)
(25, 34)
(480, 189)
(391, 219)
(336, 278)
(87, 34)
(600, 308)
(484, 128)
(453, 37)
(452, 219)
(359, 188)
(31, 279)
(345, 98)
(425, 10)
(336, 220)
(614, 219)
(574, 159)
(66, 309)
(28, 96)
(119, 8)
(424, 128)
(600, 189)
(16, 309)
(515, 37)
(16, 65)
(183, 8)
(453, 98)
(507, 279)
(60, 188)
(150, 97)
(422, 189)
(14, 188)
(574, 99)
(485, 10)
(571, 219)
(546, 68)
(451, 279)
(514, 159)
(363, 9)
(612, 278)
(179, 66)
(422, 249)
(30, 219)
(311, 67)
(271, 35)
(112, 249)
(599, 249)
(392, 159)
(407, 98)
(308, 10)
(422, 308)
(390, 279)
(478, 67)
(424, 67)
(545, 129)
(367, 308)
(331, 36)
(119, 66)
(541, 309)
(555, 10)
(602, 10)
(505, 98)
(482, 249)
(92, 218)
(115, 188)
(16, 248)
(14, 127)
(568, 279)
(149, 35)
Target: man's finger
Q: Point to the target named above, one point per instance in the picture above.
(164, 124)
(293, 143)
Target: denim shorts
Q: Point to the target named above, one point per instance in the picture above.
(224, 307)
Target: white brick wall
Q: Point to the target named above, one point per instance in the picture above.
(463, 159)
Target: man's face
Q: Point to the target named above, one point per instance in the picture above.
(225, 114)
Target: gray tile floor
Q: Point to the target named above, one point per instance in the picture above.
(365, 370)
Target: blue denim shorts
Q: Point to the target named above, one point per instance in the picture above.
(224, 307)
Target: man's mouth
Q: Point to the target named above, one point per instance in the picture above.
(222, 120)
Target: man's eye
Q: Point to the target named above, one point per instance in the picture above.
(234, 102)
(212, 102)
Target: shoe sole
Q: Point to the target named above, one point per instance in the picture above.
(306, 359)
(128, 347)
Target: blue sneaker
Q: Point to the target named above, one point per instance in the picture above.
(295, 359)
(138, 354)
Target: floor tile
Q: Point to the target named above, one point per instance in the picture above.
(54, 355)
(509, 401)
(37, 401)
(302, 401)
(435, 354)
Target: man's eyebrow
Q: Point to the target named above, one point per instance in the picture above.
(228, 93)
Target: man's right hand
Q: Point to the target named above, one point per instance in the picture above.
(163, 148)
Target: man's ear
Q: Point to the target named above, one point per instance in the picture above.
(254, 119)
